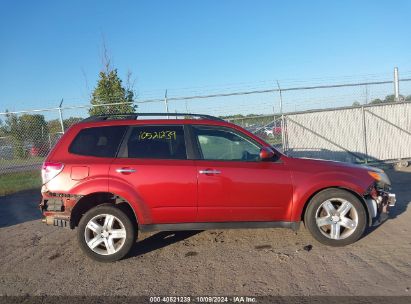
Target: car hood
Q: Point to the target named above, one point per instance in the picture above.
(335, 163)
(331, 165)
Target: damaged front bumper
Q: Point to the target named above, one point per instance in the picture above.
(379, 204)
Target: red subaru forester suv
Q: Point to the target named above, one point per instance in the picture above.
(112, 175)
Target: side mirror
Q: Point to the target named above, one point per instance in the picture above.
(266, 153)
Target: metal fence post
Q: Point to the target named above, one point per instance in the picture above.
(282, 118)
(364, 130)
(61, 116)
(166, 102)
(396, 85)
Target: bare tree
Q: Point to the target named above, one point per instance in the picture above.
(85, 81)
(106, 58)
(130, 81)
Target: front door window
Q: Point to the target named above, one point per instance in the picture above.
(221, 144)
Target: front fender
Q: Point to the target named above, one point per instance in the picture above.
(305, 188)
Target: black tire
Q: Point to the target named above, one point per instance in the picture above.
(126, 243)
(320, 234)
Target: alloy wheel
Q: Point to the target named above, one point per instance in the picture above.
(105, 234)
(336, 218)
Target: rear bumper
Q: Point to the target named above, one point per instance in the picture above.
(380, 206)
(56, 221)
(56, 209)
(54, 218)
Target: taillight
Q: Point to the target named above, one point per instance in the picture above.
(50, 171)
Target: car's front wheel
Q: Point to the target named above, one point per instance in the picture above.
(335, 217)
(106, 233)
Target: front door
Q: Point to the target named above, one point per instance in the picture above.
(234, 184)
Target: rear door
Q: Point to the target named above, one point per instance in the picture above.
(234, 184)
(153, 160)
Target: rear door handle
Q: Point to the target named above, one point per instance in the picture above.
(125, 170)
(209, 171)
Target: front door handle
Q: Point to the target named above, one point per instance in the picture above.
(209, 171)
(125, 170)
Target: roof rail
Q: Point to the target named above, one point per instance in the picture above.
(132, 116)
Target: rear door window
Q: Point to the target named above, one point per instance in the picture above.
(156, 142)
(98, 141)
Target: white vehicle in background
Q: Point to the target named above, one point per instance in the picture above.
(269, 131)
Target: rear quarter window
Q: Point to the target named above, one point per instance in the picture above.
(98, 141)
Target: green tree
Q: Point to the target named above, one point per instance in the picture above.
(13, 129)
(356, 104)
(34, 128)
(25, 131)
(377, 101)
(109, 89)
(71, 121)
(388, 98)
(54, 126)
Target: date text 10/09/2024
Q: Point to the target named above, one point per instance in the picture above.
(204, 299)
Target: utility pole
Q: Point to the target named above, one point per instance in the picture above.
(396, 85)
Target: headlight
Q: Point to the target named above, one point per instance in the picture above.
(380, 177)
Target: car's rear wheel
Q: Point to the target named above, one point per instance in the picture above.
(335, 217)
(106, 233)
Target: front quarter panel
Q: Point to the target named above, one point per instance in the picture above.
(310, 178)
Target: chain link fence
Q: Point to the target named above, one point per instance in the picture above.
(326, 121)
